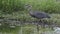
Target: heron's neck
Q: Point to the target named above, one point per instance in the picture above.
(31, 12)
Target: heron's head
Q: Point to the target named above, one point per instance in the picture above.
(28, 7)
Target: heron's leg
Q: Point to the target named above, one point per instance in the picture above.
(42, 24)
(39, 23)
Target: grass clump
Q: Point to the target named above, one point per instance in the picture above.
(50, 6)
(9, 6)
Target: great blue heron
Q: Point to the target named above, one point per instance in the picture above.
(36, 14)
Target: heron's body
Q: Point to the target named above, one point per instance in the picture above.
(39, 15)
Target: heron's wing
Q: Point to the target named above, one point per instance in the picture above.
(40, 15)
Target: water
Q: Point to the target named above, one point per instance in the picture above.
(55, 31)
(29, 29)
(26, 29)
